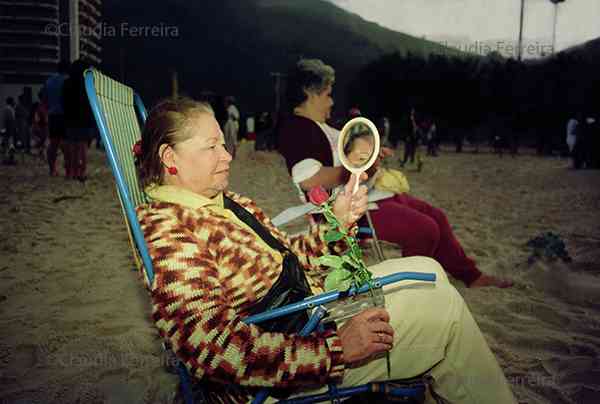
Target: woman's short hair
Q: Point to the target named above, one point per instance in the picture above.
(169, 122)
(308, 75)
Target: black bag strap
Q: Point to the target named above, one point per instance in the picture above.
(290, 287)
(253, 222)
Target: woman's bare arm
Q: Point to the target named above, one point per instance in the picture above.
(328, 177)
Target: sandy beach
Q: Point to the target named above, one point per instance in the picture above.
(74, 315)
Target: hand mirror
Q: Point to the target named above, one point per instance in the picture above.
(358, 146)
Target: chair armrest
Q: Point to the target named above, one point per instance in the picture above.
(328, 297)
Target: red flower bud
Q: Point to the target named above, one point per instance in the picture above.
(137, 148)
(318, 195)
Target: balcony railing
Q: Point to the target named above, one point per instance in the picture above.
(34, 68)
(91, 44)
(91, 20)
(7, 19)
(25, 33)
(90, 56)
(39, 52)
(86, 5)
(30, 4)
(17, 45)
(19, 77)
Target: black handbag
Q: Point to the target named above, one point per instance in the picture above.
(290, 287)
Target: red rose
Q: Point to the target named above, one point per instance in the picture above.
(318, 195)
(137, 148)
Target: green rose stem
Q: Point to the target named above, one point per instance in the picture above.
(348, 269)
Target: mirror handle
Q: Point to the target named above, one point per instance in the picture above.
(357, 183)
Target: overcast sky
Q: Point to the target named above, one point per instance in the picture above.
(482, 20)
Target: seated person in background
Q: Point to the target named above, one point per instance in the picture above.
(216, 255)
(309, 147)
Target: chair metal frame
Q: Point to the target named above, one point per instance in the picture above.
(317, 304)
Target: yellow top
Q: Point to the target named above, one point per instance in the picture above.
(187, 198)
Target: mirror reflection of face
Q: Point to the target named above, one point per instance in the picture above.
(360, 149)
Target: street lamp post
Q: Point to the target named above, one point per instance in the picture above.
(520, 48)
(278, 77)
(555, 2)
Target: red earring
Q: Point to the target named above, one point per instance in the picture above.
(172, 170)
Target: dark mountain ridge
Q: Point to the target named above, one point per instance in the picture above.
(233, 46)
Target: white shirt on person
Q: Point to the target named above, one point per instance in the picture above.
(571, 133)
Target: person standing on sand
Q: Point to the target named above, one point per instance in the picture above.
(232, 125)
(412, 139)
(8, 124)
(571, 140)
(39, 124)
(9, 130)
(431, 138)
(56, 115)
(384, 130)
(79, 121)
(22, 114)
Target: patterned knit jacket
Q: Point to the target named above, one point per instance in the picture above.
(209, 269)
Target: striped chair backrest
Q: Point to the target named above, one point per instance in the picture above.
(117, 103)
(118, 112)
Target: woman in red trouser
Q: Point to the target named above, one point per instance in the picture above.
(434, 237)
(308, 145)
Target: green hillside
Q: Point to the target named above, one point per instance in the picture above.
(231, 46)
(346, 30)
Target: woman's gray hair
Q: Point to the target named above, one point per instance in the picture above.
(308, 75)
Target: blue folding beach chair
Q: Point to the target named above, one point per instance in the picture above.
(119, 114)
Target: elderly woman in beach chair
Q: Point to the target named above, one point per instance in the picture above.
(309, 146)
(217, 256)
